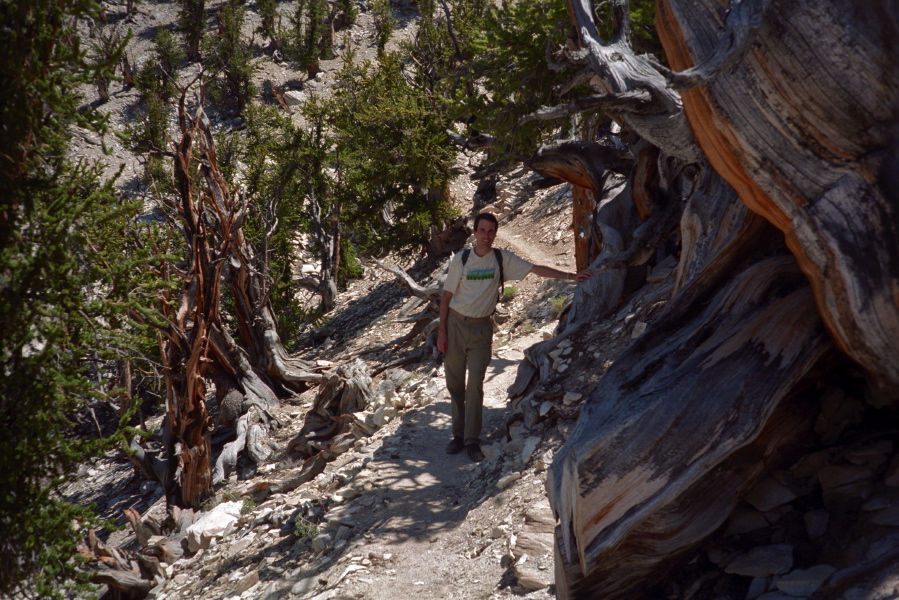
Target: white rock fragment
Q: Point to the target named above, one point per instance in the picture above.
(804, 582)
(544, 461)
(763, 561)
(491, 453)
(212, 525)
(571, 398)
(769, 494)
(294, 98)
(530, 444)
(508, 480)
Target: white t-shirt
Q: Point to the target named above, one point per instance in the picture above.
(475, 285)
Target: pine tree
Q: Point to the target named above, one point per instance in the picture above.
(232, 54)
(69, 276)
(192, 17)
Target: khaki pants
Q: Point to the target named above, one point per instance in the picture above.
(469, 346)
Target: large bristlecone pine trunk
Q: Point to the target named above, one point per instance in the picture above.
(770, 152)
(249, 374)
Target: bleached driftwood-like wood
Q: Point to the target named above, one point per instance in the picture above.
(678, 402)
(661, 121)
(347, 389)
(666, 538)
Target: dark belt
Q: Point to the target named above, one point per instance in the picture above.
(462, 317)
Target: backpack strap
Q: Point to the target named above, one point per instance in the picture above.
(465, 255)
(499, 260)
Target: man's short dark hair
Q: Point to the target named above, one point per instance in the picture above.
(486, 216)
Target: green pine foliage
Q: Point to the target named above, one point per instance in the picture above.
(157, 84)
(268, 18)
(375, 156)
(309, 40)
(232, 54)
(284, 165)
(192, 22)
(346, 13)
(644, 38)
(511, 73)
(394, 155)
(168, 57)
(70, 274)
(505, 75)
(383, 20)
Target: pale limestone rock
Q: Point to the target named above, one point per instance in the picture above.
(763, 561)
(833, 476)
(294, 98)
(246, 582)
(639, 329)
(757, 587)
(776, 595)
(809, 465)
(663, 270)
(544, 461)
(530, 444)
(508, 480)
(322, 542)
(872, 455)
(876, 503)
(537, 534)
(744, 521)
(816, 523)
(491, 453)
(532, 579)
(212, 525)
(891, 478)
(571, 397)
(804, 582)
(383, 415)
(887, 516)
(769, 494)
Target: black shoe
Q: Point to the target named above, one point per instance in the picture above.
(474, 452)
(456, 446)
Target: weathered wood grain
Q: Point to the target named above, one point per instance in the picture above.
(803, 127)
(697, 387)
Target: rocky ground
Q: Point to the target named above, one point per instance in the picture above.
(395, 517)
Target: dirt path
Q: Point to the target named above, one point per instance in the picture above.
(435, 525)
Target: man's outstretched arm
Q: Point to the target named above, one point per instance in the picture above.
(544, 271)
(444, 315)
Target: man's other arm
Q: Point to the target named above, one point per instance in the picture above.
(444, 315)
(544, 271)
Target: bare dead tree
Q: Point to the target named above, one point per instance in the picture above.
(198, 349)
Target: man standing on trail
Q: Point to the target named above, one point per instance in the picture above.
(469, 300)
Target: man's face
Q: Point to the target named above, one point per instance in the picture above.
(485, 233)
